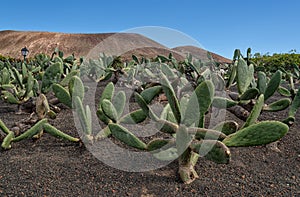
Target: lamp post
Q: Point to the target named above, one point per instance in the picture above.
(24, 52)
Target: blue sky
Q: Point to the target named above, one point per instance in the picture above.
(219, 26)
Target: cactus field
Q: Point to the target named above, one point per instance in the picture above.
(230, 129)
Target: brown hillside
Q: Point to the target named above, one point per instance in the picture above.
(90, 45)
(200, 53)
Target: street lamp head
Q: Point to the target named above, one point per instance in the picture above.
(24, 51)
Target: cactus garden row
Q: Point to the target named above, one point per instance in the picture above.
(193, 90)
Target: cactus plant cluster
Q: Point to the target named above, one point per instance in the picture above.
(184, 122)
(192, 89)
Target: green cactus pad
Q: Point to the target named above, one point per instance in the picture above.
(273, 84)
(213, 150)
(199, 103)
(126, 136)
(295, 104)
(166, 126)
(167, 114)
(289, 121)
(119, 101)
(232, 75)
(3, 127)
(227, 127)
(167, 155)
(133, 117)
(103, 133)
(52, 75)
(284, 92)
(243, 75)
(170, 94)
(147, 110)
(149, 93)
(76, 87)
(83, 118)
(158, 144)
(17, 76)
(102, 116)
(258, 134)
(32, 131)
(203, 133)
(89, 119)
(29, 84)
(57, 133)
(261, 82)
(183, 139)
(68, 77)
(62, 95)
(255, 111)
(223, 103)
(10, 97)
(7, 140)
(109, 110)
(249, 94)
(278, 105)
(108, 92)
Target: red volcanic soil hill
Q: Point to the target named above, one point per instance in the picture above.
(90, 45)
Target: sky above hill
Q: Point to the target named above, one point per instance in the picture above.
(218, 26)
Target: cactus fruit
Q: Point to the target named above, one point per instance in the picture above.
(258, 134)
(122, 134)
(273, 84)
(57, 133)
(278, 105)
